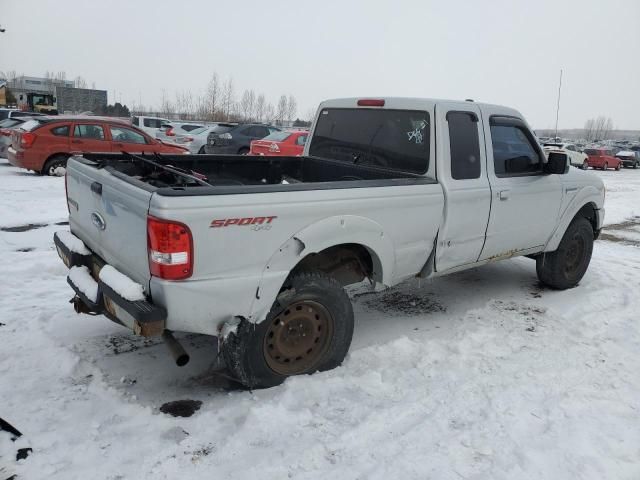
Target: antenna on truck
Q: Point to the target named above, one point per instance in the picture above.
(558, 107)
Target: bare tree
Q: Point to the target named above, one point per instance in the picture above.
(598, 128)
(212, 97)
(269, 113)
(228, 99)
(292, 108)
(247, 105)
(260, 108)
(166, 107)
(281, 110)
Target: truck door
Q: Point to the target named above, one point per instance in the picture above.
(526, 202)
(462, 171)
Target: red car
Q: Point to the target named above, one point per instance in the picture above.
(286, 144)
(44, 144)
(602, 158)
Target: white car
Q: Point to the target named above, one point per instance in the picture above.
(149, 124)
(576, 157)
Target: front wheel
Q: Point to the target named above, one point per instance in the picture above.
(605, 166)
(565, 267)
(585, 165)
(635, 165)
(618, 166)
(308, 329)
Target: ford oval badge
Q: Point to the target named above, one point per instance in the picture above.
(98, 221)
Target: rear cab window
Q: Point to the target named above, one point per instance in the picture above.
(387, 138)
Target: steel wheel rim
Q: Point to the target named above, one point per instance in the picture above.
(298, 337)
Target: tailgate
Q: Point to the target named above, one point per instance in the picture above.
(110, 216)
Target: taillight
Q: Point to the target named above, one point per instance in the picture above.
(170, 249)
(371, 102)
(274, 148)
(27, 139)
(170, 133)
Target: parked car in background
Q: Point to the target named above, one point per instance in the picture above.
(196, 139)
(576, 157)
(15, 113)
(6, 126)
(288, 144)
(149, 124)
(170, 131)
(602, 158)
(234, 138)
(629, 158)
(44, 144)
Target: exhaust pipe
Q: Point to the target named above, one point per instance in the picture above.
(79, 306)
(177, 351)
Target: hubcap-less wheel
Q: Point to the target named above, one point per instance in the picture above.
(585, 165)
(298, 337)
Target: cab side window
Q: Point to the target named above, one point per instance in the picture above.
(62, 131)
(464, 145)
(514, 153)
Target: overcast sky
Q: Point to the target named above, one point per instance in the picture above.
(505, 52)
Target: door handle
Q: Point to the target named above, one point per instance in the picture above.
(570, 189)
(96, 187)
(504, 194)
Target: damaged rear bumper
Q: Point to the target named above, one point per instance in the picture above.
(94, 296)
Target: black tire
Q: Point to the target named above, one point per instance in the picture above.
(251, 352)
(605, 166)
(565, 267)
(635, 165)
(618, 166)
(243, 151)
(53, 163)
(585, 165)
(201, 151)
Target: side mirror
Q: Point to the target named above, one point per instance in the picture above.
(557, 164)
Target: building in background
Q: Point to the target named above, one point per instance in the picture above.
(58, 94)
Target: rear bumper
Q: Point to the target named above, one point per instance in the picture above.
(17, 158)
(97, 297)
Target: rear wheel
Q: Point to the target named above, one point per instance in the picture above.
(585, 165)
(565, 267)
(308, 329)
(243, 151)
(201, 151)
(55, 166)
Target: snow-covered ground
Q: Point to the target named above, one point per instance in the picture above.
(479, 375)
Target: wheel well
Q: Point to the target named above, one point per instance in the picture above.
(589, 212)
(53, 155)
(348, 263)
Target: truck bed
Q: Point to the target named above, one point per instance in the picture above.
(234, 174)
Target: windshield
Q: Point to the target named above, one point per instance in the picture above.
(30, 125)
(277, 136)
(395, 139)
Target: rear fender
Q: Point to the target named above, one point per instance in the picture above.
(315, 238)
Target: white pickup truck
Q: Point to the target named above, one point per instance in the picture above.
(257, 250)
